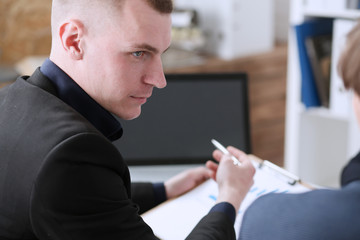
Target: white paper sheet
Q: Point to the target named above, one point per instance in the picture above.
(176, 218)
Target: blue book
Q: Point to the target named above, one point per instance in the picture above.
(308, 29)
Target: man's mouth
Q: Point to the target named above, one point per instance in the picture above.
(141, 100)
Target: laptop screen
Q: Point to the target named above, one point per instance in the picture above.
(178, 122)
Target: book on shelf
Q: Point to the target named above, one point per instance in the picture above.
(319, 52)
(331, 5)
(310, 29)
(353, 4)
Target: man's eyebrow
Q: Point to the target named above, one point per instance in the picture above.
(149, 48)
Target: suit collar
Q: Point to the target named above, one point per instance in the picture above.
(39, 80)
(351, 171)
(55, 81)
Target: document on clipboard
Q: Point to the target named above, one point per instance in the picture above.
(176, 218)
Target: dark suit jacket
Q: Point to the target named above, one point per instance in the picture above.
(319, 214)
(60, 178)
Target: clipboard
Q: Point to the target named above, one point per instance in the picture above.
(175, 219)
(280, 172)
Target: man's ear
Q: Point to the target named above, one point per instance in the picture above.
(71, 35)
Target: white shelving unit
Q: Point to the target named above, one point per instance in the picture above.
(233, 28)
(319, 141)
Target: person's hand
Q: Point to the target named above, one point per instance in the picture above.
(185, 181)
(233, 181)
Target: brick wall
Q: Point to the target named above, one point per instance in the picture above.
(24, 29)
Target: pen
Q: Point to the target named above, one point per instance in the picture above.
(225, 151)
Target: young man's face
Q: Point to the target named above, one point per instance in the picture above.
(123, 62)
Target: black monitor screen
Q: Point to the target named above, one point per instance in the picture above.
(178, 122)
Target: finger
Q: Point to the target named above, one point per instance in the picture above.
(212, 166)
(240, 155)
(203, 173)
(228, 159)
(217, 155)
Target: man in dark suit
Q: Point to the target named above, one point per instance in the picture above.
(319, 214)
(60, 175)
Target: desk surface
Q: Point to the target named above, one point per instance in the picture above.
(157, 173)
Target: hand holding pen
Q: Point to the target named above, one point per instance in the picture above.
(233, 182)
(220, 147)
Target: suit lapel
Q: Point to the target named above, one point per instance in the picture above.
(38, 79)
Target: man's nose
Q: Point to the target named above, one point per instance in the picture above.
(156, 76)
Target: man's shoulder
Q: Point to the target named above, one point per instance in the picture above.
(333, 212)
(28, 108)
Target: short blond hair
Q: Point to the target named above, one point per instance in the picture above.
(60, 8)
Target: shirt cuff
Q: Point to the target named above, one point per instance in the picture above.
(159, 192)
(226, 208)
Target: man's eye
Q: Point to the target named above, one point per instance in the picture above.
(138, 54)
